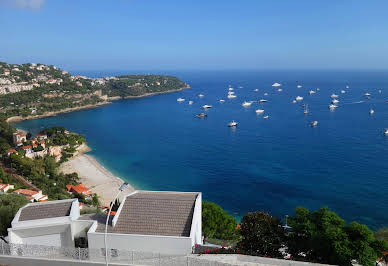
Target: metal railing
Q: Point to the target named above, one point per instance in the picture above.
(125, 257)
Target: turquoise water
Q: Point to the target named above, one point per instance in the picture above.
(270, 164)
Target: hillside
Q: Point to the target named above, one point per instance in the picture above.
(36, 89)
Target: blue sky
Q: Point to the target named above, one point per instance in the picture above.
(198, 34)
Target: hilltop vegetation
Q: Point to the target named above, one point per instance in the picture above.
(36, 89)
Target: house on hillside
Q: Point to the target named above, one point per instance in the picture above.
(146, 221)
(11, 151)
(27, 149)
(6, 72)
(19, 137)
(79, 189)
(31, 195)
(5, 187)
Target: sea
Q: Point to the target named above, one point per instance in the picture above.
(271, 165)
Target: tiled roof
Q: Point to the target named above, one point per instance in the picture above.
(80, 189)
(26, 192)
(45, 210)
(156, 213)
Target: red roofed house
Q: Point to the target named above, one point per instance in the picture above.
(10, 151)
(31, 195)
(79, 189)
(41, 136)
(27, 149)
(6, 72)
(5, 187)
(19, 137)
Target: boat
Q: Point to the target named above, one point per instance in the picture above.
(379, 91)
(335, 101)
(347, 86)
(180, 100)
(201, 115)
(266, 94)
(314, 123)
(334, 96)
(259, 111)
(230, 89)
(230, 92)
(246, 104)
(299, 86)
(191, 102)
(231, 96)
(317, 89)
(342, 91)
(276, 84)
(299, 98)
(371, 111)
(306, 109)
(332, 106)
(206, 106)
(266, 116)
(240, 87)
(221, 101)
(256, 90)
(294, 101)
(232, 124)
(386, 131)
(311, 92)
(200, 95)
(263, 101)
(280, 89)
(367, 94)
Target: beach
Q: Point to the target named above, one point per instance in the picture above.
(94, 176)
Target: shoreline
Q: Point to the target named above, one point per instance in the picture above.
(95, 176)
(15, 119)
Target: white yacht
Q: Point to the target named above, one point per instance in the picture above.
(299, 86)
(266, 116)
(317, 89)
(280, 89)
(259, 111)
(347, 86)
(206, 106)
(240, 87)
(334, 96)
(314, 123)
(191, 102)
(371, 111)
(386, 131)
(200, 95)
(332, 106)
(263, 101)
(230, 92)
(379, 91)
(335, 101)
(256, 90)
(343, 91)
(276, 84)
(221, 101)
(299, 98)
(230, 89)
(311, 92)
(293, 101)
(246, 104)
(266, 94)
(367, 94)
(231, 96)
(306, 109)
(232, 124)
(180, 100)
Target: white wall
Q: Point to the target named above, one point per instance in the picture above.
(44, 240)
(145, 243)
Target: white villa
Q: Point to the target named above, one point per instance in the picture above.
(148, 221)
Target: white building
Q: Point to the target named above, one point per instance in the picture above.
(147, 221)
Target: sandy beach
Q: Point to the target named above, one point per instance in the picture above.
(93, 175)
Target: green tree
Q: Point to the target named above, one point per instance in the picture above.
(261, 235)
(322, 236)
(217, 223)
(9, 205)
